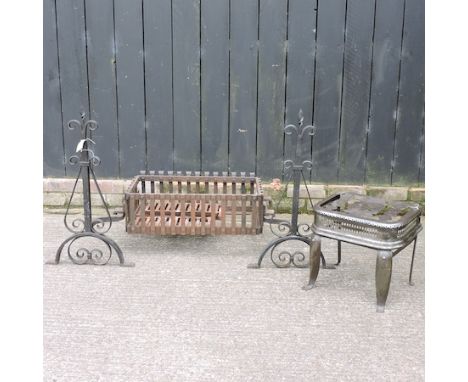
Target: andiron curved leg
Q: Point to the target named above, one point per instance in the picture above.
(286, 258)
(339, 253)
(93, 256)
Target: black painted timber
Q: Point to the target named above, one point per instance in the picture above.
(73, 71)
(54, 161)
(243, 85)
(410, 113)
(384, 94)
(356, 90)
(328, 88)
(209, 85)
(130, 83)
(186, 84)
(214, 84)
(300, 71)
(271, 87)
(158, 77)
(102, 83)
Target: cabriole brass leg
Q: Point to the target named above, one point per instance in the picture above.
(383, 275)
(314, 262)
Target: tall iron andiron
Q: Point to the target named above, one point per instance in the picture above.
(285, 230)
(87, 227)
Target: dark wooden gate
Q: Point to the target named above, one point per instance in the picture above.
(209, 84)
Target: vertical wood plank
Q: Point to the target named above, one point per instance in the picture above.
(130, 86)
(356, 90)
(243, 85)
(53, 163)
(300, 70)
(186, 59)
(271, 85)
(328, 83)
(214, 105)
(411, 97)
(214, 84)
(158, 76)
(422, 166)
(383, 103)
(102, 83)
(73, 70)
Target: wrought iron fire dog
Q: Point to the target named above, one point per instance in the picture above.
(285, 230)
(86, 226)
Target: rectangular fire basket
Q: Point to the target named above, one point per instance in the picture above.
(176, 204)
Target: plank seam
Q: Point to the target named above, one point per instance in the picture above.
(421, 139)
(116, 93)
(256, 101)
(313, 88)
(172, 84)
(229, 91)
(87, 62)
(341, 93)
(60, 87)
(397, 111)
(144, 82)
(370, 94)
(285, 84)
(200, 114)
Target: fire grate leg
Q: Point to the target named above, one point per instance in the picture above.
(410, 281)
(339, 253)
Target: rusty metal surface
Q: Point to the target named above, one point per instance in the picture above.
(194, 204)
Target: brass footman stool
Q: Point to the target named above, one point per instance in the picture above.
(388, 227)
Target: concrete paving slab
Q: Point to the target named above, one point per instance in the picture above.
(190, 310)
